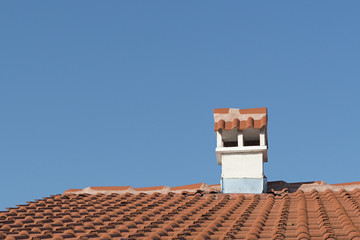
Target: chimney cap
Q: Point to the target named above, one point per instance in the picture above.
(230, 118)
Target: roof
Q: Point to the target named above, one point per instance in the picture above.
(230, 118)
(313, 210)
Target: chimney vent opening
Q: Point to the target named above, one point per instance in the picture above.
(231, 144)
(230, 138)
(251, 137)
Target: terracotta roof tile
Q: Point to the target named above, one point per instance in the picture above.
(345, 184)
(189, 187)
(157, 188)
(313, 210)
(230, 118)
(121, 188)
(253, 111)
(221, 110)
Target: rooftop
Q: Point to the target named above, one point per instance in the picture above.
(313, 210)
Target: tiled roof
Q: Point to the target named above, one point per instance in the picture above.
(313, 210)
(230, 118)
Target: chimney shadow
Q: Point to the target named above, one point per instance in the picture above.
(281, 186)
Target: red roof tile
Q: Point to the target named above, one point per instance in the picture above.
(121, 188)
(253, 111)
(313, 210)
(157, 188)
(72, 191)
(230, 118)
(343, 184)
(190, 187)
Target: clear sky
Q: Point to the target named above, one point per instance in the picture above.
(118, 93)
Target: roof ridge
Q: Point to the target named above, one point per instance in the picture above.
(197, 187)
(273, 187)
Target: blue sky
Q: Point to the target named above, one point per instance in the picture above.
(121, 93)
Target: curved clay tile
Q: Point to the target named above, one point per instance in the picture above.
(10, 238)
(105, 217)
(49, 200)
(22, 208)
(58, 222)
(91, 208)
(83, 211)
(235, 123)
(58, 237)
(32, 205)
(14, 211)
(79, 228)
(243, 125)
(98, 221)
(46, 233)
(29, 218)
(219, 125)
(302, 229)
(228, 125)
(249, 123)
(123, 228)
(115, 231)
(47, 226)
(69, 232)
(48, 211)
(323, 219)
(105, 236)
(67, 217)
(75, 214)
(138, 220)
(258, 124)
(36, 230)
(24, 232)
(89, 225)
(81, 201)
(18, 223)
(261, 219)
(281, 222)
(351, 230)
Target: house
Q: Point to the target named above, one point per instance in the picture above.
(243, 206)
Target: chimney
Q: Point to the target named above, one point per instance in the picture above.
(241, 149)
